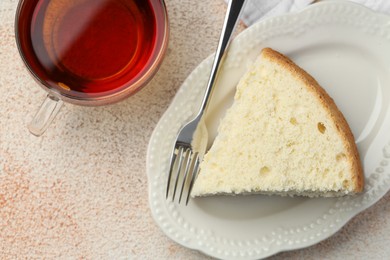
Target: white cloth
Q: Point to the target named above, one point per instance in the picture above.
(256, 10)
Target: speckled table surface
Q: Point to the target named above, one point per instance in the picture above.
(80, 191)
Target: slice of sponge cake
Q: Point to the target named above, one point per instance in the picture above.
(283, 135)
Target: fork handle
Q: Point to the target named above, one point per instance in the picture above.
(233, 13)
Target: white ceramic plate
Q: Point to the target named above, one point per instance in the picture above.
(346, 47)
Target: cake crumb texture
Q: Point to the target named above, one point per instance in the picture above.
(283, 135)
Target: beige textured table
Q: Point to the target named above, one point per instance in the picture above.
(80, 191)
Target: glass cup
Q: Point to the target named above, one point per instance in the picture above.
(89, 52)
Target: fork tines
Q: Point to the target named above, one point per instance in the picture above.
(182, 173)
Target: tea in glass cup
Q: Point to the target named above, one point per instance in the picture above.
(89, 52)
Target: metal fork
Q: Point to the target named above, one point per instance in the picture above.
(185, 161)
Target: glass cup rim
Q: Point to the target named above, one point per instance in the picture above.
(102, 98)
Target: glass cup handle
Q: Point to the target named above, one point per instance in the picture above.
(45, 115)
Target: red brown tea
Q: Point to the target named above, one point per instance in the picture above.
(88, 47)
